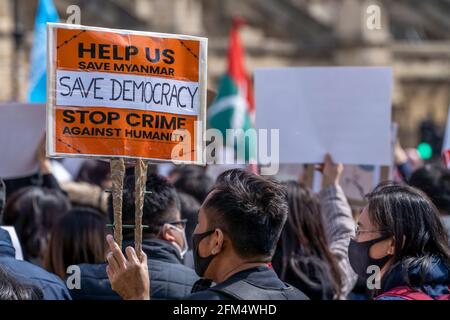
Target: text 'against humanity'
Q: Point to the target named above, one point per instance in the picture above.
(129, 91)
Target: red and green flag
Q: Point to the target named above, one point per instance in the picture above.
(233, 107)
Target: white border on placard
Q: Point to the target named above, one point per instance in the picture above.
(199, 129)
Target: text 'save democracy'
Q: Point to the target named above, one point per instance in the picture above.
(143, 91)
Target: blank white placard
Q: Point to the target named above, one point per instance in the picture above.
(345, 111)
(22, 128)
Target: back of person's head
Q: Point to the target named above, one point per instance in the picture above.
(412, 219)
(250, 209)
(302, 250)
(189, 211)
(12, 289)
(33, 211)
(193, 180)
(77, 237)
(161, 205)
(434, 180)
(95, 172)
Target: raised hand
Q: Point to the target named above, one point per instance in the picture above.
(129, 276)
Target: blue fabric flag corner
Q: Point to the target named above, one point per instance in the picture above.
(37, 84)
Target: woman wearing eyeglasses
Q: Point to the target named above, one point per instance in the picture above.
(400, 247)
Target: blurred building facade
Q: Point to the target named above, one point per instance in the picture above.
(413, 37)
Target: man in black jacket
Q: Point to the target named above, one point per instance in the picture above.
(238, 228)
(164, 242)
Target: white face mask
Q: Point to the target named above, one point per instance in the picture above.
(185, 245)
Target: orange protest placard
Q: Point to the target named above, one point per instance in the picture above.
(117, 93)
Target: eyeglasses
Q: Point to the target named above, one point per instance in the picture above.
(358, 231)
(178, 223)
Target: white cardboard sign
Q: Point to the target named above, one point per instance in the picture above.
(22, 127)
(344, 111)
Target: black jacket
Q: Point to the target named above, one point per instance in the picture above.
(261, 277)
(311, 275)
(52, 287)
(170, 279)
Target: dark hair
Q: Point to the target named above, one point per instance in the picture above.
(410, 216)
(434, 180)
(33, 211)
(2, 198)
(13, 289)
(94, 172)
(250, 209)
(193, 180)
(161, 205)
(189, 210)
(77, 237)
(302, 251)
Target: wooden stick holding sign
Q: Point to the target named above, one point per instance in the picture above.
(117, 175)
(140, 172)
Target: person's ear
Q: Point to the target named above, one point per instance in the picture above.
(218, 241)
(166, 233)
(391, 246)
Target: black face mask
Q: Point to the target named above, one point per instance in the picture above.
(200, 263)
(360, 260)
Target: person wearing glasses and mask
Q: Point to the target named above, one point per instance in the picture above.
(163, 241)
(400, 249)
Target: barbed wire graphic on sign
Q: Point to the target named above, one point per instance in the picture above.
(73, 37)
(69, 145)
(188, 49)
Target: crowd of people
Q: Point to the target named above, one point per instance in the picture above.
(240, 236)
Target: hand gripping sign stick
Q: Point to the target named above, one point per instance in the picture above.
(140, 183)
(117, 174)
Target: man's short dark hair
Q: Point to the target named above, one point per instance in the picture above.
(250, 209)
(161, 204)
(193, 180)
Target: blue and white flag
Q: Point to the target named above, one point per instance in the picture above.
(37, 85)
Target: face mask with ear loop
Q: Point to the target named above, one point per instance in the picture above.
(185, 245)
(359, 256)
(201, 264)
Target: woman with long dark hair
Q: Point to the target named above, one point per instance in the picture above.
(303, 258)
(33, 212)
(77, 237)
(400, 246)
(312, 254)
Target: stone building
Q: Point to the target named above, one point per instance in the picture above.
(412, 36)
